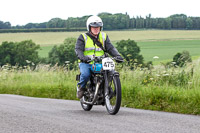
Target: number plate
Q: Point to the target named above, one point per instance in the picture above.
(108, 64)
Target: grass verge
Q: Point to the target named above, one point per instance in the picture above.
(164, 89)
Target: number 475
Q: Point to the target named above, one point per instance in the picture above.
(108, 64)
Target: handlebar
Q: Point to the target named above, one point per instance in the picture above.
(96, 58)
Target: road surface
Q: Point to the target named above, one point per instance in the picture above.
(20, 114)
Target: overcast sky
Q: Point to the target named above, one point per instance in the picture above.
(21, 12)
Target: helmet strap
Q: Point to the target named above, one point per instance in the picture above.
(93, 33)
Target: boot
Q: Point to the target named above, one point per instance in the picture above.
(80, 92)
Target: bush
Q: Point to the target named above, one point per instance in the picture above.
(130, 51)
(64, 53)
(181, 59)
(7, 53)
(19, 53)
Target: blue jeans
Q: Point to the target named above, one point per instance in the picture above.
(85, 70)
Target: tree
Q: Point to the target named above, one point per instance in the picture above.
(30, 25)
(7, 53)
(56, 23)
(64, 53)
(5, 25)
(168, 23)
(195, 22)
(19, 53)
(26, 53)
(130, 51)
(189, 23)
(178, 21)
(140, 22)
(148, 21)
(115, 21)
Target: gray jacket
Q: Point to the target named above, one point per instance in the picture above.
(80, 47)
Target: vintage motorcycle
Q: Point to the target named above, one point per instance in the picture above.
(104, 87)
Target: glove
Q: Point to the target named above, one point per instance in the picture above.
(119, 59)
(85, 59)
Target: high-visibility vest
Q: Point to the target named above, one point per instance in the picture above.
(90, 48)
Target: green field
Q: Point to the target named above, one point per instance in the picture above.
(165, 50)
(162, 43)
(160, 88)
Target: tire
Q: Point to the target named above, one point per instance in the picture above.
(113, 100)
(86, 107)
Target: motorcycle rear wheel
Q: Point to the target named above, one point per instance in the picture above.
(113, 99)
(86, 107)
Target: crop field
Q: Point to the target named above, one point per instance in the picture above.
(162, 43)
(165, 50)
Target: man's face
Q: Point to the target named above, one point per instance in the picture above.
(95, 30)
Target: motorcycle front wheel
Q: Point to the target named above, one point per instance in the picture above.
(113, 99)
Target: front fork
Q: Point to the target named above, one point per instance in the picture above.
(108, 77)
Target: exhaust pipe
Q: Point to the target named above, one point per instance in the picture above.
(95, 96)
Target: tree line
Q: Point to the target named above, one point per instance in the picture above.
(115, 22)
(25, 53)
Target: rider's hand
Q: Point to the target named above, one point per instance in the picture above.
(86, 59)
(119, 59)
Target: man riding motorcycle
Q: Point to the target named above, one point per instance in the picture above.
(92, 43)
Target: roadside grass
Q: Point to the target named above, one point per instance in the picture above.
(171, 90)
(164, 89)
(44, 81)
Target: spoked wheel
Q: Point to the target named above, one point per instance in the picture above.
(86, 107)
(113, 99)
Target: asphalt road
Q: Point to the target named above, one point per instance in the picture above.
(19, 114)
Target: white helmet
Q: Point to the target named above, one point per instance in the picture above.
(94, 21)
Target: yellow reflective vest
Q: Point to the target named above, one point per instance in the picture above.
(90, 48)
